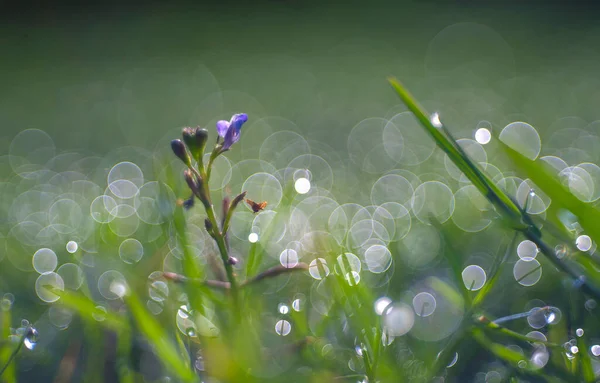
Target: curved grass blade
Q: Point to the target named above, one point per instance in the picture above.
(492, 192)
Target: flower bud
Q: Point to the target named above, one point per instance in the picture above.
(192, 182)
(195, 139)
(181, 152)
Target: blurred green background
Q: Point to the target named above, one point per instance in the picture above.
(99, 76)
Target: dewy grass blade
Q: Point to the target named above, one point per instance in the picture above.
(517, 218)
(589, 216)
(461, 160)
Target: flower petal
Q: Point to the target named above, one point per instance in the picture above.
(222, 127)
(237, 120)
(231, 138)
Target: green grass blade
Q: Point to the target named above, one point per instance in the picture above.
(87, 309)
(158, 337)
(589, 217)
(6, 349)
(511, 357)
(495, 272)
(492, 192)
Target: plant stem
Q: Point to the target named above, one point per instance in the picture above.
(15, 352)
(219, 237)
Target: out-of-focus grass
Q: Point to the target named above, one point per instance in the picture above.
(228, 336)
(581, 268)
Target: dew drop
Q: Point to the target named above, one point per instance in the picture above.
(579, 332)
(31, 338)
(358, 350)
(574, 349)
(435, 120)
(191, 332)
(583, 243)
(595, 350)
(283, 309)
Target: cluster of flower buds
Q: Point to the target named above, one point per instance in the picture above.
(191, 149)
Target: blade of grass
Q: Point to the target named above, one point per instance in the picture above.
(492, 192)
(5, 349)
(495, 273)
(589, 217)
(87, 308)
(158, 337)
(496, 328)
(513, 358)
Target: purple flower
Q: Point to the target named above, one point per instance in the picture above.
(230, 130)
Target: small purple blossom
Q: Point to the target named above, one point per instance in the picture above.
(230, 130)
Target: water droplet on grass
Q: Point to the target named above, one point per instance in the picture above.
(31, 338)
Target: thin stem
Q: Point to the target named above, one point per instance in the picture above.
(509, 318)
(219, 235)
(274, 271)
(15, 352)
(215, 153)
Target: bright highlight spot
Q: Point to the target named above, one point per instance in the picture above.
(302, 185)
(283, 327)
(435, 120)
(283, 309)
(381, 304)
(72, 246)
(483, 136)
(474, 277)
(253, 238)
(574, 350)
(583, 243)
(399, 319)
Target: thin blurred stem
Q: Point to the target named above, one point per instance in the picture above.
(274, 271)
(219, 236)
(509, 318)
(495, 272)
(494, 326)
(15, 352)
